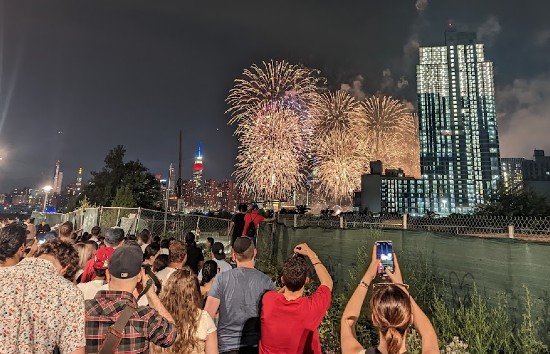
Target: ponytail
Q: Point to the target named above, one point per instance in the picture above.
(394, 340)
(392, 314)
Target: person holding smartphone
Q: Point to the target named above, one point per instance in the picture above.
(393, 312)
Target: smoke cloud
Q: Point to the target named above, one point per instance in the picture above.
(402, 83)
(523, 116)
(542, 38)
(387, 81)
(355, 88)
(389, 84)
(421, 5)
(488, 30)
(410, 106)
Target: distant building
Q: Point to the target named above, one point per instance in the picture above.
(390, 192)
(59, 183)
(78, 184)
(459, 149)
(197, 179)
(536, 173)
(512, 173)
(57, 179)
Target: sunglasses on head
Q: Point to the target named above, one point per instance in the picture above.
(381, 285)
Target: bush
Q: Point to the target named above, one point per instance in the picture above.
(469, 322)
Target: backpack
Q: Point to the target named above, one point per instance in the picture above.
(251, 231)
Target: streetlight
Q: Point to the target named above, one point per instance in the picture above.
(46, 189)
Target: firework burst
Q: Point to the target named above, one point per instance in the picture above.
(341, 162)
(392, 134)
(270, 162)
(290, 85)
(338, 144)
(269, 106)
(337, 111)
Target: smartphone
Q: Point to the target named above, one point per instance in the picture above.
(384, 252)
(41, 238)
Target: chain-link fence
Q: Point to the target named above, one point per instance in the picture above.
(47, 218)
(528, 228)
(134, 220)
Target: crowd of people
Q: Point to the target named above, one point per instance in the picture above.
(108, 292)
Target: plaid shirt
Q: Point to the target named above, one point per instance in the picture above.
(145, 326)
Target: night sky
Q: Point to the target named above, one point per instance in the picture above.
(134, 72)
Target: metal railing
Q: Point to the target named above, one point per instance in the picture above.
(529, 228)
(134, 220)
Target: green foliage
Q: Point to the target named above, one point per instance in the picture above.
(414, 342)
(520, 202)
(471, 322)
(528, 342)
(124, 198)
(487, 325)
(85, 203)
(105, 184)
(80, 201)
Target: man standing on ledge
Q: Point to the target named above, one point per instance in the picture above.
(255, 218)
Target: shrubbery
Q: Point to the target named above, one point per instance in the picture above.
(471, 322)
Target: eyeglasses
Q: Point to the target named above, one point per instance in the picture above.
(381, 285)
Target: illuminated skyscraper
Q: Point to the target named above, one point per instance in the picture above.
(197, 178)
(56, 188)
(78, 185)
(459, 151)
(59, 182)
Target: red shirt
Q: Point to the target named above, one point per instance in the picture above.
(88, 272)
(253, 216)
(291, 326)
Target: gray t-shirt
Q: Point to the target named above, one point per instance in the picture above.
(240, 291)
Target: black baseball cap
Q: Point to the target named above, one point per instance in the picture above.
(126, 262)
(218, 250)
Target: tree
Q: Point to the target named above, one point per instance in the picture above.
(518, 202)
(116, 174)
(124, 198)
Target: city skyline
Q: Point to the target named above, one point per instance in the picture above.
(152, 69)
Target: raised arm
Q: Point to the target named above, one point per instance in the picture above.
(348, 337)
(420, 320)
(152, 297)
(320, 269)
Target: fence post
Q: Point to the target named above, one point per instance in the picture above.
(197, 227)
(100, 215)
(165, 221)
(510, 231)
(405, 221)
(137, 220)
(295, 223)
(117, 218)
(341, 222)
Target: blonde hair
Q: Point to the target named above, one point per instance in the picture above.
(181, 296)
(85, 253)
(392, 314)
